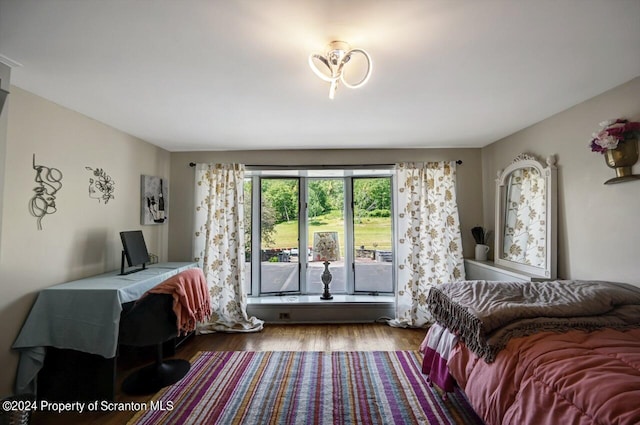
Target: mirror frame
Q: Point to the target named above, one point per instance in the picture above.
(549, 173)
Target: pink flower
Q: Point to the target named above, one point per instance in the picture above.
(607, 140)
(612, 133)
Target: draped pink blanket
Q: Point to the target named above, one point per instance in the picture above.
(191, 302)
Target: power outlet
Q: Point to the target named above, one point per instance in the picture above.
(284, 316)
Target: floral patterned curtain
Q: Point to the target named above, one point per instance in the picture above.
(218, 246)
(429, 244)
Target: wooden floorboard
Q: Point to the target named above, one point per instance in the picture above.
(339, 337)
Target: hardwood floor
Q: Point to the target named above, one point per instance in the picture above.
(339, 337)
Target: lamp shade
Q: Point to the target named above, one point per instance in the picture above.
(326, 246)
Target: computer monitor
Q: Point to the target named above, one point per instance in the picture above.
(134, 250)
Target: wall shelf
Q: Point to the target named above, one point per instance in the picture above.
(488, 270)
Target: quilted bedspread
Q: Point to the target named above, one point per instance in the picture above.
(576, 377)
(486, 315)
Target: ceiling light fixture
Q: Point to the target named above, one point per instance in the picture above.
(337, 56)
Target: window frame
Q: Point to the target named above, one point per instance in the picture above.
(392, 182)
(304, 175)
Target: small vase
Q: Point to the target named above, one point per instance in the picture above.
(622, 159)
(481, 252)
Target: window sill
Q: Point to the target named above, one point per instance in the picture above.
(312, 309)
(315, 299)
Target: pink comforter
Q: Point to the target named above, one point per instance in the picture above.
(572, 378)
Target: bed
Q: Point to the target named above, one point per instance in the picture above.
(556, 352)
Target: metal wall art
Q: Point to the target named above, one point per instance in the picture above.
(154, 194)
(101, 186)
(49, 182)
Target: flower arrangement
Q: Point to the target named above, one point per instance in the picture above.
(611, 133)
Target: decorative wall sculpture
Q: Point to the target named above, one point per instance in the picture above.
(154, 200)
(101, 186)
(49, 182)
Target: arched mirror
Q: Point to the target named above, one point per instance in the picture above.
(525, 237)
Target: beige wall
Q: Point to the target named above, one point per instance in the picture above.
(5, 77)
(469, 182)
(598, 225)
(81, 238)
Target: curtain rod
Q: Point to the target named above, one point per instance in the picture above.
(193, 164)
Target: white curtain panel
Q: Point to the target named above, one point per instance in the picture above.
(429, 243)
(218, 245)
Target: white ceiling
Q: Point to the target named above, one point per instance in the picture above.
(225, 75)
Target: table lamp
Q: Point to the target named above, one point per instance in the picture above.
(326, 248)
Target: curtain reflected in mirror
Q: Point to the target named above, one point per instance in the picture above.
(525, 218)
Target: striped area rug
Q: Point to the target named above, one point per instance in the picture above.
(282, 387)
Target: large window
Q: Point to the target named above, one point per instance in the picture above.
(286, 211)
(373, 243)
(325, 213)
(279, 224)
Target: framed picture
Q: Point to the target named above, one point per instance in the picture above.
(154, 202)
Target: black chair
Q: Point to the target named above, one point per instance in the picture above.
(151, 321)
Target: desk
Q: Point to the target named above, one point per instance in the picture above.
(82, 315)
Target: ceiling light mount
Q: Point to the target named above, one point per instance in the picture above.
(337, 56)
